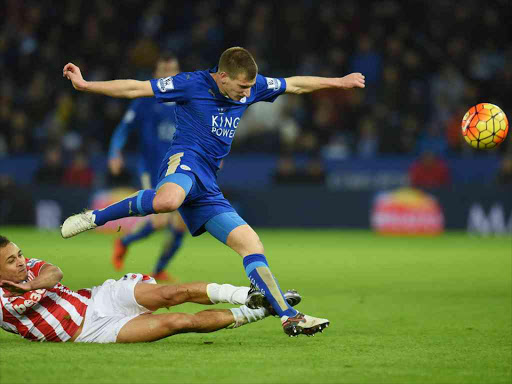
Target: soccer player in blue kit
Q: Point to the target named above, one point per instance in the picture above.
(154, 123)
(209, 105)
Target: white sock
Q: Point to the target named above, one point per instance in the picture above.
(244, 315)
(227, 293)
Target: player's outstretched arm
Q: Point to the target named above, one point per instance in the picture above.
(129, 89)
(307, 84)
(49, 275)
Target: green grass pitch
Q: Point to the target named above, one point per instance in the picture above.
(402, 310)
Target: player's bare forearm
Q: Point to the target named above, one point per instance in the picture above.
(307, 84)
(48, 277)
(129, 89)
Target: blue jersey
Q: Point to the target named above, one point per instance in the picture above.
(206, 121)
(155, 126)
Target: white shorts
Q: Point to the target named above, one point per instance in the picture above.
(111, 306)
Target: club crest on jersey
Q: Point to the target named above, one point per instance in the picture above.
(165, 84)
(274, 84)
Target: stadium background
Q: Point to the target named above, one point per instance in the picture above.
(320, 160)
(423, 65)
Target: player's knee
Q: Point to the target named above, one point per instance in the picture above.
(166, 202)
(258, 246)
(245, 241)
(254, 244)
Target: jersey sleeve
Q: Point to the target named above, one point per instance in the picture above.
(173, 88)
(124, 128)
(35, 265)
(268, 88)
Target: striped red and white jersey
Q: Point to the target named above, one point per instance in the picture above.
(44, 314)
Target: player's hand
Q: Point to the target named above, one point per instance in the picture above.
(72, 72)
(15, 289)
(352, 80)
(116, 164)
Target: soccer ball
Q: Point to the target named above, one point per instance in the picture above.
(484, 126)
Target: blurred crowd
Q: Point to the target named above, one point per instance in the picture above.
(425, 62)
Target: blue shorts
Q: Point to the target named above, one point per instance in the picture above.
(204, 200)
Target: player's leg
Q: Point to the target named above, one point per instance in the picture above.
(234, 232)
(156, 296)
(178, 229)
(168, 197)
(149, 327)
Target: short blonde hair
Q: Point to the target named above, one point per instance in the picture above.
(237, 60)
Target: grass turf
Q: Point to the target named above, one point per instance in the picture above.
(402, 310)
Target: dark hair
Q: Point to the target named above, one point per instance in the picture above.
(237, 60)
(4, 241)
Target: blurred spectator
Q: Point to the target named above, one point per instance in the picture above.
(288, 173)
(433, 139)
(52, 171)
(429, 171)
(315, 171)
(286, 169)
(337, 148)
(368, 144)
(3, 146)
(14, 200)
(504, 176)
(79, 173)
(448, 88)
(368, 61)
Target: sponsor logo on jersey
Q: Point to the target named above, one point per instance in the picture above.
(224, 125)
(274, 84)
(165, 84)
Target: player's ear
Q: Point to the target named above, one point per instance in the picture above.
(223, 77)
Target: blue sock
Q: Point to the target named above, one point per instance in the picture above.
(170, 251)
(140, 233)
(139, 204)
(256, 268)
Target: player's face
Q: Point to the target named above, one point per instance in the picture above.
(237, 89)
(12, 264)
(165, 68)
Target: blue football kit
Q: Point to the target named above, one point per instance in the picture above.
(154, 124)
(206, 123)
